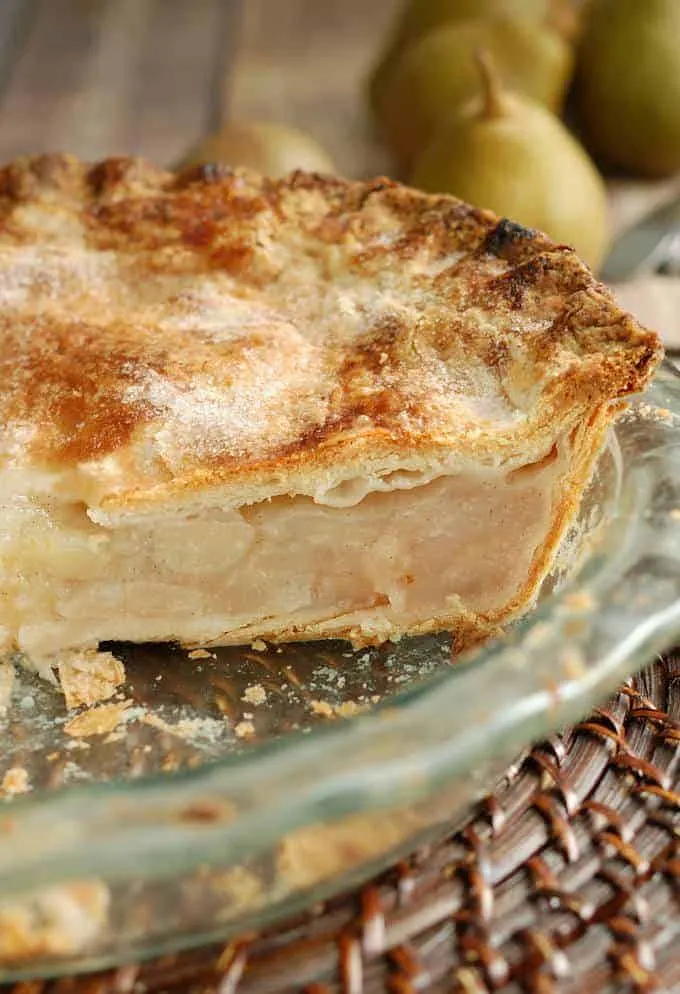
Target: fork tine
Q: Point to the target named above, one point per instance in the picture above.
(642, 248)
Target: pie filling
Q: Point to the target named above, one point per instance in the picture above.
(475, 544)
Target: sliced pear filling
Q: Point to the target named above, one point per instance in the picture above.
(477, 543)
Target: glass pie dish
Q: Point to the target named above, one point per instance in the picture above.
(230, 788)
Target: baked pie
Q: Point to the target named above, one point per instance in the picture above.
(236, 408)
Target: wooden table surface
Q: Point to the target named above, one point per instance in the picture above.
(148, 77)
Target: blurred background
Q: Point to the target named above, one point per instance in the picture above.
(586, 140)
(150, 77)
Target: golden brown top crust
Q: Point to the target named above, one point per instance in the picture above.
(213, 325)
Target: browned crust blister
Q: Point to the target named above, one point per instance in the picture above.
(374, 320)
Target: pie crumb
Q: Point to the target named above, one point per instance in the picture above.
(240, 886)
(53, 921)
(348, 709)
(6, 685)
(255, 694)
(345, 710)
(244, 730)
(573, 664)
(259, 646)
(15, 781)
(77, 744)
(580, 600)
(97, 721)
(188, 729)
(89, 677)
(117, 736)
(323, 708)
(201, 654)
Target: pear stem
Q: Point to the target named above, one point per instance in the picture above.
(492, 90)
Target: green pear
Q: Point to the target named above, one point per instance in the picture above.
(436, 75)
(271, 148)
(627, 90)
(419, 17)
(507, 153)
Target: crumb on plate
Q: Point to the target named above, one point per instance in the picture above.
(98, 720)
(322, 708)
(6, 685)
(254, 694)
(54, 921)
(89, 676)
(345, 710)
(16, 781)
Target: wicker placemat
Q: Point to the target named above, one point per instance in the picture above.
(565, 880)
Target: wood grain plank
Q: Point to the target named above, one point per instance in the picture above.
(179, 76)
(304, 63)
(101, 77)
(16, 18)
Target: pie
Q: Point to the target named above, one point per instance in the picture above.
(237, 408)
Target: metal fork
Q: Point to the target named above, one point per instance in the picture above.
(652, 245)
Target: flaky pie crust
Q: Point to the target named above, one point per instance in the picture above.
(167, 334)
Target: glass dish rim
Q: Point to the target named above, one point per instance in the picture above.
(387, 777)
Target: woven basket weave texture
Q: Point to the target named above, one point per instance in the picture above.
(565, 880)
